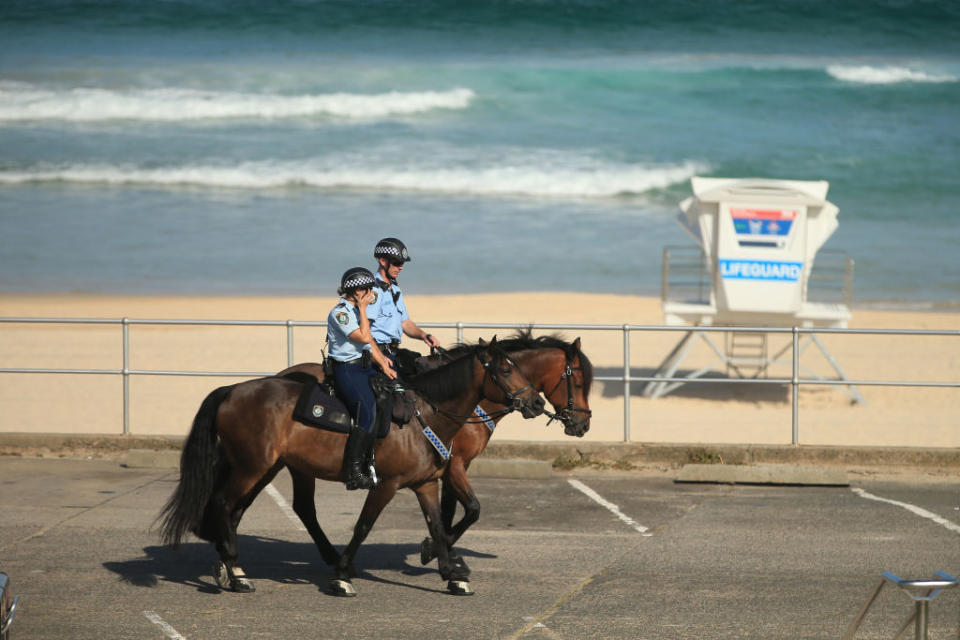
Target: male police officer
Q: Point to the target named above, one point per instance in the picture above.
(388, 312)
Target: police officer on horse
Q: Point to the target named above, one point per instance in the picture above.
(388, 311)
(354, 351)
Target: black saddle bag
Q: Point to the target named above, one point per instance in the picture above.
(317, 407)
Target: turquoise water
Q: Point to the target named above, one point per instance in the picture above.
(241, 147)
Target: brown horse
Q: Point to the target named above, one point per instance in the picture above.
(244, 434)
(557, 368)
(560, 371)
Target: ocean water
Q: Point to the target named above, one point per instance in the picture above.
(206, 146)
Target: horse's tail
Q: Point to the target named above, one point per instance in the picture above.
(201, 464)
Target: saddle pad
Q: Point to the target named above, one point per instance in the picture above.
(317, 408)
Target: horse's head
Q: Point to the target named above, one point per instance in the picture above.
(569, 394)
(503, 382)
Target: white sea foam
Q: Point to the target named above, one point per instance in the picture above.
(884, 75)
(27, 102)
(597, 180)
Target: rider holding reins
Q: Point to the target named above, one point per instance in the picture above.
(388, 311)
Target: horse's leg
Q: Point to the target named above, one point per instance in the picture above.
(228, 507)
(456, 573)
(376, 500)
(457, 484)
(456, 487)
(448, 501)
(303, 488)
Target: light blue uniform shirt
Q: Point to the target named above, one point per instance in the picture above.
(343, 320)
(386, 315)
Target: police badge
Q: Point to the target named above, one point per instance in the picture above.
(342, 317)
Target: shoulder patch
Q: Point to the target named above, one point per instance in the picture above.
(376, 296)
(342, 317)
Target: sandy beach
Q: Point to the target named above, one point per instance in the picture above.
(704, 413)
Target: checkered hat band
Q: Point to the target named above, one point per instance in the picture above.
(358, 281)
(388, 249)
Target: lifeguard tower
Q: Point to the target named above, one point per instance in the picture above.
(753, 266)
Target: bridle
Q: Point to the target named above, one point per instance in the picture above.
(566, 414)
(514, 402)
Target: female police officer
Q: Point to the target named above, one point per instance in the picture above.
(388, 311)
(352, 348)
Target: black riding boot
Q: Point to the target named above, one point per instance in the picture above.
(354, 456)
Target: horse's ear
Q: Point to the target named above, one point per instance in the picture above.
(482, 342)
(576, 343)
(494, 340)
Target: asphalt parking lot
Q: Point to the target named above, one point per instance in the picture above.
(642, 557)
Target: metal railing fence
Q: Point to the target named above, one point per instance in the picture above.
(794, 381)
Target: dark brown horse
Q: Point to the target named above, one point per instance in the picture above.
(244, 434)
(557, 368)
(560, 371)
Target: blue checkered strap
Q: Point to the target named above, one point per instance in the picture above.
(441, 448)
(485, 418)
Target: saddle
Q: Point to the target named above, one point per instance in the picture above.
(320, 406)
(317, 406)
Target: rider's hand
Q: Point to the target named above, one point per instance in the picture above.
(364, 297)
(430, 340)
(388, 370)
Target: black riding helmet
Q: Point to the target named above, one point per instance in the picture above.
(355, 278)
(391, 249)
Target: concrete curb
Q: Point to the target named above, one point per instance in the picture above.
(763, 474)
(634, 453)
(621, 455)
(484, 467)
(151, 459)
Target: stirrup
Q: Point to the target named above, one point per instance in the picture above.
(356, 479)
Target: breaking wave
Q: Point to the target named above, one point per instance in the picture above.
(30, 103)
(884, 75)
(595, 181)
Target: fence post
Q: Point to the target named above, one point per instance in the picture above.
(126, 376)
(289, 343)
(795, 386)
(459, 332)
(626, 383)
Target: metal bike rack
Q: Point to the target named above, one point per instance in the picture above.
(922, 592)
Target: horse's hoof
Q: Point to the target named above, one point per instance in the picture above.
(459, 588)
(238, 583)
(242, 585)
(426, 551)
(341, 589)
(220, 575)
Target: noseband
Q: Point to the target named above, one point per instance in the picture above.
(565, 415)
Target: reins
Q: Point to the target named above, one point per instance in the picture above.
(472, 418)
(488, 371)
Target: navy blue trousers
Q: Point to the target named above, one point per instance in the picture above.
(353, 383)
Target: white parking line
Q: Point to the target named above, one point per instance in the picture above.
(168, 631)
(923, 513)
(612, 508)
(287, 510)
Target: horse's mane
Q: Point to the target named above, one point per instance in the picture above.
(523, 340)
(448, 380)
